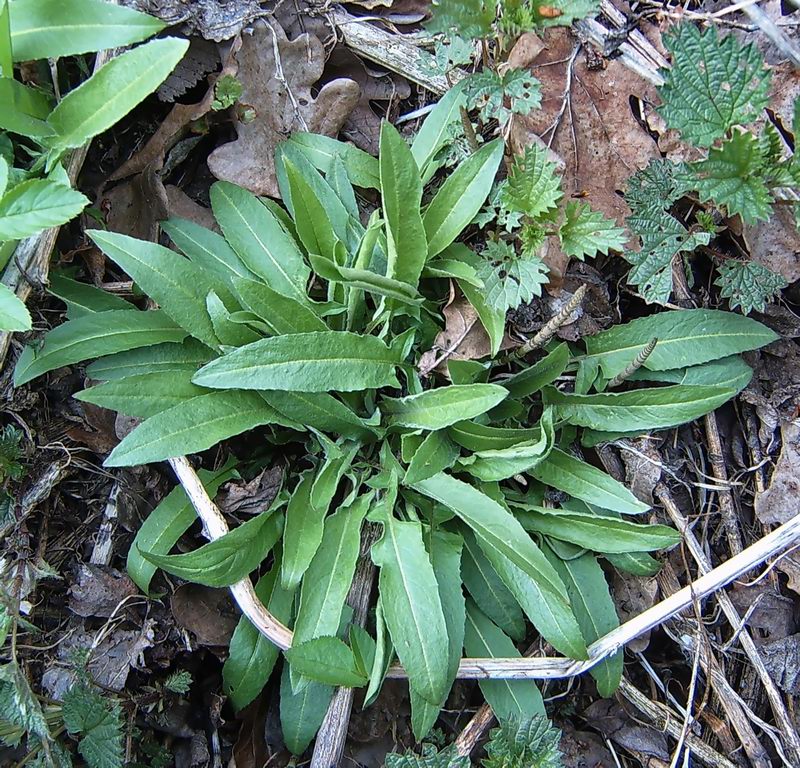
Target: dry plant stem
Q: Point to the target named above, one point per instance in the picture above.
(771, 30)
(782, 717)
(517, 668)
(664, 719)
(474, 731)
(634, 365)
(330, 741)
(32, 256)
(395, 52)
(724, 494)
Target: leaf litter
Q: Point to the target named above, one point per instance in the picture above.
(602, 140)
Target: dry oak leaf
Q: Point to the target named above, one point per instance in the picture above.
(212, 19)
(277, 75)
(778, 504)
(598, 136)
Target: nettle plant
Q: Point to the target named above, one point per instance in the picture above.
(305, 326)
(714, 93)
(37, 130)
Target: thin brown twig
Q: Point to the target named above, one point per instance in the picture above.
(726, 507)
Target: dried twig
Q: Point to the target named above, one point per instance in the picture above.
(514, 668)
(782, 716)
(729, 519)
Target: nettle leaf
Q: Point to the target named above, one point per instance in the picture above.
(469, 18)
(441, 407)
(510, 279)
(97, 722)
(461, 197)
(491, 92)
(401, 195)
(102, 333)
(685, 338)
(533, 186)
(69, 27)
(640, 409)
(327, 660)
(507, 698)
(14, 315)
(113, 91)
(226, 560)
(193, 425)
(733, 176)
(748, 284)
(305, 362)
(714, 83)
(37, 204)
(582, 481)
(163, 527)
(585, 232)
(412, 607)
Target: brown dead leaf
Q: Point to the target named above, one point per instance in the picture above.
(583, 749)
(599, 138)
(201, 59)
(238, 497)
(642, 468)
(782, 660)
(633, 595)
(250, 749)
(608, 717)
(775, 243)
(175, 126)
(790, 565)
(208, 613)
(528, 46)
(99, 590)
(277, 76)
(183, 207)
(135, 206)
(765, 608)
(778, 504)
(100, 436)
(363, 125)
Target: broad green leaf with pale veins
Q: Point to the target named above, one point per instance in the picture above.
(305, 362)
(412, 607)
(748, 284)
(113, 91)
(14, 315)
(226, 560)
(37, 204)
(95, 335)
(439, 408)
(327, 660)
(191, 426)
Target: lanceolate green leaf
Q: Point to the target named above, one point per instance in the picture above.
(37, 204)
(685, 337)
(327, 580)
(43, 30)
(102, 333)
(228, 559)
(326, 660)
(432, 136)
(365, 280)
(319, 410)
(461, 197)
(602, 534)
(507, 698)
(251, 657)
(163, 527)
(480, 437)
(401, 192)
(412, 607)
(26, 109)
(206, 249)
(113, 91)
(488, 590)
(494, 527)
(594, 609)
(305, 362)
(179, 287)
(302, 713)
(193, 425)
(439, 408)
(583, 481)
(303, 534)
(81, 298)
(144, 395)
(281, 313)
(188, 356)
(362, 168)
(532, 379)
(641, 409)
(14, 315)
(261, 242)
(436, 453)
